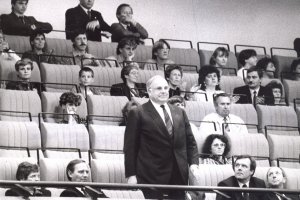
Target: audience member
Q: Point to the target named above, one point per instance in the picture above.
(208, 84)
(277, 92)
(215, 149)
(222, 103)
(39, 52)
(125, 53)
(130, 86)
(83, 18)
(86, 78)
(219, 59)
(128, 106)
(5, 52)
(28, 172)
(253, 92)
(174, 74)
(23, 69)
(247, 58)
(79, 171)
(244, 168)
(267, 66)
(295, 69)
(127, 26)
(16, 23)
(160, 56)
(69, 103)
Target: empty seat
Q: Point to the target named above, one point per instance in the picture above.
(228, 83)
(145, 75)
(190, 79)
(143, 53)
(197, 110)
(22, 101)
(293, 179)
(19, 44)
(185, 56)
(102, 49)
(61, 47)
(124, 194)
(292, 89)
(283, 63)
(247, 113)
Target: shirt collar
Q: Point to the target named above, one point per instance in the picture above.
(252, 90)
(241, 184)
(84, 9)
(157, 106)
(124, 25)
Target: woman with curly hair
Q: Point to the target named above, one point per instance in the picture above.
(69, 103)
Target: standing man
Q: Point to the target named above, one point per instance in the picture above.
(159, 145)
(84, 18)
(16, 23)
(244, 167)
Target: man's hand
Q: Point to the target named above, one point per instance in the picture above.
(33, 27)
(93, 25)
(132, 180)
(106, 34)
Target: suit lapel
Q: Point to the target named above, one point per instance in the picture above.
(176, 119)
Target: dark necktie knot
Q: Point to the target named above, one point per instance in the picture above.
(22, 19)
(89, 14)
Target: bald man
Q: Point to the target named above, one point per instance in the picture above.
(159, 145)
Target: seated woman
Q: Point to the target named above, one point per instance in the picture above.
(295, 69)
(28, 172)
(267, 66)
(69, 103)
(5, 52)
(219, 59)
(277, 92)
(129, 88)
(127, 26)
(125, 52)
(216, 148)
(160, 56)
(39, 52)
(174, 75)
(208, 84)
(128, 106)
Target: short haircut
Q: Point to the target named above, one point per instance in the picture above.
(246, 54)
(176, 99)
(120, 7)
(294, 64)
(86, 69)
(255, 69)
(23, 62)
(218, 50)
(217, 96)
(71, 167)
(77, 32)
(170, 68)
(70, 97)
(13, 2)
(252, 162)
(209, 140)
(204, 71)
(126, 41)
(26, 168)
(126, 70)
(263, 63)
(152, 79)
(34, 35)
(275, 84)
(282, 171)
(159, 45)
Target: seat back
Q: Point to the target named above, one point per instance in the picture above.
(23, 101)
(185, 56)
(197, 110)
(282, 63)
(190, 79)
(61, 47)
(102, 49)
(293, 178)
(145, 75)
(247, 113)
(292, 89)
(228, 83)
(143, 53)
(19, 44)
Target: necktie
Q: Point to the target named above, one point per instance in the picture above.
(89, 14)
(22, 19)
(84, 192)
(167, 121)
(254, 98)
(226, 126)
(245, 194)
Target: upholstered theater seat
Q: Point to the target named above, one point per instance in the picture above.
(102, 49)
(19, 44)
(292, 89)
(247, 113)
(197, 110)
(228, 83)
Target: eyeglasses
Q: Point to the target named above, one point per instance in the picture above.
(219, 145)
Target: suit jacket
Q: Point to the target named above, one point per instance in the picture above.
(246, 95)
(272, 196)
(12, 25)
(119, 32)
(77, 19)
(150, 152)
(19, 192)
(121, 89)
(74, 192)
(232, 182)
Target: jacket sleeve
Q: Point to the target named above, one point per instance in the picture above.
(103, 25)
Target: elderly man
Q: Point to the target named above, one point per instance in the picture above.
(244, 167)
(16, 23)
(159, 144)
(222, 103)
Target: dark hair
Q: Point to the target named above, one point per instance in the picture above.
(204, 71)
(263, 63)
(255, 69)
(24, 169)
(77, 32)
(34, 35)
(246, 54)
(176, 99)
(275, 84)
(23, 62)
(120, 7)
(71, 166)
(216, 96)
(86, 69)
(294, 64)
(125, 110)
(223, 51)
(14, 1)
(70, 97)
(210, 139)
(126, 41)
(170, 68)
(126, 70)
(252, 162)
(159, 45)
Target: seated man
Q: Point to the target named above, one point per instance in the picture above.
(16, 23)
(244, 167)
(174, 74)
(276, 179)
(5, 52)
(253, 92)
(127, 26)
(79, 171)
(28, 172)
(222, 103)
(69, 103)
(247, 58)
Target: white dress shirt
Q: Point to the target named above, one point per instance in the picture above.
(161, 112)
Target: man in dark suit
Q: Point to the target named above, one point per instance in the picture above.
(159, 145)
(244, 167)
(276, 179)
(16, 23)
(253, 92)
(83, 17)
